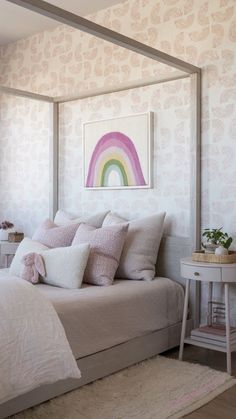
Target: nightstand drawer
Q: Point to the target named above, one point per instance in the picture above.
(200, 273)
(229, 274)
(8, 248)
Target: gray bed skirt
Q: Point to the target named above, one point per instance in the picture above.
(100, 365)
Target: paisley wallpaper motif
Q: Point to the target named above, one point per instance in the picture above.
(199, 31)
(24, 164)
(171, 150)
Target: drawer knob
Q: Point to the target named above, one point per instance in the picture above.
(196, 273)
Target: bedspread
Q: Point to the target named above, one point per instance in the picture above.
(33, 345)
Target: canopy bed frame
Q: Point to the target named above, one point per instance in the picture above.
(172, 248)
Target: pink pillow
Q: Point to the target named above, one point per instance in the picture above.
(52, 235)
(106, 245)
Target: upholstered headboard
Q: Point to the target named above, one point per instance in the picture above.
(172, 249)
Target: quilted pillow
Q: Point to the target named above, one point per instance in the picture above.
(138, 259)
(26, 246)
(52, 235)
(63, 218)
(106, 245)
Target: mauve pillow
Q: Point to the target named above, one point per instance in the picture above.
(106, 245)
(63, 218)
(138, 259)
(52, 235)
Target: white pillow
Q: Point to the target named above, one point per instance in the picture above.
(63, 217)
(26, 246)
(112, 219)
(139, 255)
(65, 266)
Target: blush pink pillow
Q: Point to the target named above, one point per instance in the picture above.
(106, 245)
(52, 235)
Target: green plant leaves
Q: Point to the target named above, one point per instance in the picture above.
(217, 236)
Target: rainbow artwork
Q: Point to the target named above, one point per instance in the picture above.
(114, 163)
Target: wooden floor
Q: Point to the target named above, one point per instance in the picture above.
(223, 406)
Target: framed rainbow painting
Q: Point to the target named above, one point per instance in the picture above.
(117, 152)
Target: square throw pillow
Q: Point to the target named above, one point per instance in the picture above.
(106, 245)
(26, 246)
(112, 219)
(52, 235)
(63, 218)
(139, 255)
(65, 266)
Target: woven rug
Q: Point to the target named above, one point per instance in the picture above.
(159, 388)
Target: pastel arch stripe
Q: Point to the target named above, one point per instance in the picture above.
(117, 166)
(115, 151)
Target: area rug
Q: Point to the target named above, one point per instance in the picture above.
(159, 388)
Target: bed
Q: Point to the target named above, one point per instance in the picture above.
(110, 328)
(97, 318)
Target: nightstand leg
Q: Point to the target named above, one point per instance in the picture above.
(228, 332)
(184, 322)
(210, 288)
(6, 261)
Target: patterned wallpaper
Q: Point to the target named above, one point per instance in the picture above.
(24, 164)
(199, 31)
(170, 154)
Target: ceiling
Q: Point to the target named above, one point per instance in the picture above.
(17, 23)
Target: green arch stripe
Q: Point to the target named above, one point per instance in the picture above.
(111, 164)
(111, 168)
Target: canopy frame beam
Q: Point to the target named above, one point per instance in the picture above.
(85, 25)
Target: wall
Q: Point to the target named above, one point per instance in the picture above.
(24, 169)
(61, 61)
(170, 156)
(202, 32)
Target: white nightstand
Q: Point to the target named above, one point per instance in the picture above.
(209, 272)
(7, 249)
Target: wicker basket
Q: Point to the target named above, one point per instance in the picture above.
(201, 256)
(15, 237)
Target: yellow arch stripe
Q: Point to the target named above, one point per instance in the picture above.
(111, 156)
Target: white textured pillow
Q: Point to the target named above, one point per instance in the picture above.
(26, 246)
(139, 255)
(62, 218)
(112, 219)
(65, 266)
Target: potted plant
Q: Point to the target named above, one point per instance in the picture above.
(224, 244)
(6, 227)
(217, 241)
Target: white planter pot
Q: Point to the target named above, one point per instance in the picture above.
(220, 250)
(210, 248)
(4, 233)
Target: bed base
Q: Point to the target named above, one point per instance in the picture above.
(99, 365)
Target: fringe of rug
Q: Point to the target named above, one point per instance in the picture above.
(209, 397)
